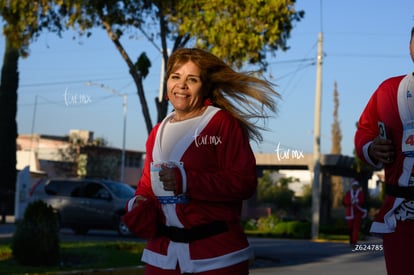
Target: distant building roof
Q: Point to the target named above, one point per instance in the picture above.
(28, 158)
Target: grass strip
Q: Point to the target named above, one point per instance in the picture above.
(78, 256)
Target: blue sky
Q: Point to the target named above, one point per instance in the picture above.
(365, 42)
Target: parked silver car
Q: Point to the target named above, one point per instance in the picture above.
(83, 204)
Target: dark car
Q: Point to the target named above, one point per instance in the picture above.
(84, 204)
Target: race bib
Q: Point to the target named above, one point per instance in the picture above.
(156, 183)
(408, 139)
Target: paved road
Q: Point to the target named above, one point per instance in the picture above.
(297, 257)
(283, 256)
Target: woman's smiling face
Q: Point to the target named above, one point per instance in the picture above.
(184, 88)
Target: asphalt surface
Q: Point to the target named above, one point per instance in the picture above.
(294, 257)
(277, 256)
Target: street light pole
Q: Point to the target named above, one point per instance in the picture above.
(317, 143)
(124, 97)
(124, 105)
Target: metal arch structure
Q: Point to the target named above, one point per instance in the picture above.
(330, 165)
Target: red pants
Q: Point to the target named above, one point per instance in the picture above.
(353, 228)
(237, 269)
(398, 249)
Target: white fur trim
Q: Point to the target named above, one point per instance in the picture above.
(180, 252)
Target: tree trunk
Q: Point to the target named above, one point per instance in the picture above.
(162, 108)
(135, 75)
(337, 191)
(141, 95)
(8, 129)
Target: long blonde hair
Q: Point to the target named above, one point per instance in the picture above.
(243, 95)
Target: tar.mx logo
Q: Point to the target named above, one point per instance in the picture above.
(205, 139)
(286, 153)
(75, 98)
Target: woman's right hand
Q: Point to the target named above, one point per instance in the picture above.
(381, 150)
(137, 200)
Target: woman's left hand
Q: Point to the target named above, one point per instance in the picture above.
(167, 176)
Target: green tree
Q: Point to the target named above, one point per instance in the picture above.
(336, 132)
(336, 136)
(239, 32)
(249, 29)
(116, 17)
(84, 158)
(265, 187)
(23, 21)
(276, 192)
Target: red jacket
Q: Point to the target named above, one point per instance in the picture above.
(221, 173)
(383, 106)
(353, 205)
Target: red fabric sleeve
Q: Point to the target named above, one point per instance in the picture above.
(220, 164)
(144, 184)
(367, 126)
(143, 220)
(383, 107)
(347, 199)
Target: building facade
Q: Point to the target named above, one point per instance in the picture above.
(77, 155)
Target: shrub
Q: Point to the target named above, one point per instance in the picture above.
(250, 224)
(266, 224)
(293, 229)
(289, 228)
(334, 227)
(36, 239)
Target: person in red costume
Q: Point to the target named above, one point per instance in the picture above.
(353, 202)
(385, 139)
(199, 168)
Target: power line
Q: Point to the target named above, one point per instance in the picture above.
(66, 82)
(292, 61)
(367, 55)
(61, 102)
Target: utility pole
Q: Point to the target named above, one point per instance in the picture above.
(124, 106)
(317, 143)
(33, 127)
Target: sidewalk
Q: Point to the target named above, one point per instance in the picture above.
(284, 256)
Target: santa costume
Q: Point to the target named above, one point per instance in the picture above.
(391, 105)
(353, 202)
(198, 227)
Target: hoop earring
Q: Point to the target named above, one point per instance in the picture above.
(208, 102)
